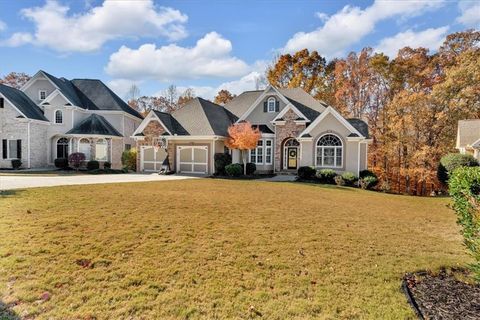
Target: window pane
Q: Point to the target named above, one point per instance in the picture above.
(339, 157)
(260, 143)
(319, 156)
(101, 150)
(259, 155)
(268, 142)
(12, 149)
(253, 155)
(328, 156)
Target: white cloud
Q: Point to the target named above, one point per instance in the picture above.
(88, 31)
(3, 26)
(322, 16)
(470, 11)
(431, 38)
(122, 86)
(210, 57)
(351, 24)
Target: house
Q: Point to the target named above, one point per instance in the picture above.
(50, 118)
(296, 130)
(468, 137)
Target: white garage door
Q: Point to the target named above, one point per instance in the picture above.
(192, 159)
(150, 160)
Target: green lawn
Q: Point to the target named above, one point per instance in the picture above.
(218, 249)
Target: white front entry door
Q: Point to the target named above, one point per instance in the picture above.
(192, 159)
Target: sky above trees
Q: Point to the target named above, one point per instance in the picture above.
(209, 46)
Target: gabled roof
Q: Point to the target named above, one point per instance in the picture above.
(360, 125)
(468, 132)
(170, 123)
(65, 87)
(95, 95)
(203, 117)
(263, 128)
(22, 103)
(304, 102)
(94, 125)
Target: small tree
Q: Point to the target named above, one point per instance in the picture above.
(243, 137)
(76, 159)
(464, 187)
(223, 97)
(129, 159)
(452, 161)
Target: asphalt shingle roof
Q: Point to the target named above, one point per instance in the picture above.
(22, 103)
(171, 123)
(95, 125)
(203, 117)
(66, 88)
(95, 95)
(468, 132)
(360, 125)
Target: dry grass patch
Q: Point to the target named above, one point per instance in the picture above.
(217, 249)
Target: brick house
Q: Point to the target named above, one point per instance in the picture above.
(50, 118)
(297, 130)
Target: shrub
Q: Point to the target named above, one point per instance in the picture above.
(76, 159)
(129, 159)
(368, 182)
(251, 168)
(339, 181)
(306, 173)
(16, 164)
(93, 165)
(326, 176)
(234, 170)
(221, 161)
(349, 178)
(107, 165)
(452, 161)
(464, 188)
(367, 173)
(61, 163)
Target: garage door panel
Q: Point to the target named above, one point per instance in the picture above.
(151, 160)
(149, 166)
(148, 154)
(199, 155)
(200, 168)
(185, 155)
(185, 167)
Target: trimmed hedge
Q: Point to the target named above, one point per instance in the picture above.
(221, 161)
(16, 164)
(349, 178)
(452, 161)
(326, 176)
(93, 165)
(234, 170)
(306, 173)
(367, 173)
(61, 163)
(107, 165)
(464, 188)
(368, 182)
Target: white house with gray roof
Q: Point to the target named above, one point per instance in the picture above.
(296, 130)
(50, 118)
(468, 137)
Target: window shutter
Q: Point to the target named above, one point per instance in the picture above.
(277, 106)
(264, 106)
(19, 149)
(2, 103)
(4, 148)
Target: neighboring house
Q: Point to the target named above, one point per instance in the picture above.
(52, 117)
(297, 130)
(468, 137)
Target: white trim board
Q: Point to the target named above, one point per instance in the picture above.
(260, 98)
(330, 110)
(147, 120)
(290, 106)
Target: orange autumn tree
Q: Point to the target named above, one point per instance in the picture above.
(242, 136)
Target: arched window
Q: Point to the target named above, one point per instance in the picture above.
(62, 148)
(101, 150)
(271, 104)
(58, 116)
(292, 143)
(84, 147)
(329, 151)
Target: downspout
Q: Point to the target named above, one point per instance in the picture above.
(358, 160)
(28, 149)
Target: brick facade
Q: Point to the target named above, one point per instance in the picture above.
(283, 131)
(154, 130)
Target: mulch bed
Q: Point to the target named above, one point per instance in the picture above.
(442, 296)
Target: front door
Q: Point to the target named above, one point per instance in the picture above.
(292, 158)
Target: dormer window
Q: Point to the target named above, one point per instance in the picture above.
(58, 116)
(42, 94)
(271, 104)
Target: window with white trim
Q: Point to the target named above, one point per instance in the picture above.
(271, 104)
(84, 147)
(101, 150)
(268, 151)
(59, 116)
(256, 155)
(62, 148)
(42, 94)
(11, 149)
(329, 151)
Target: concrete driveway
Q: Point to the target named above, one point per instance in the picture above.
(9, 182)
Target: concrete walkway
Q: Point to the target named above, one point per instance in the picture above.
(9, 182)
(280, 178)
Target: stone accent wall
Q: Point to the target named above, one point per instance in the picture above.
(154, 130)
(288, 130)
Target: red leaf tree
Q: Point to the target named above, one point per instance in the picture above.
(243, 137)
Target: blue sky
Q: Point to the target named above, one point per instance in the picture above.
(208, 45)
